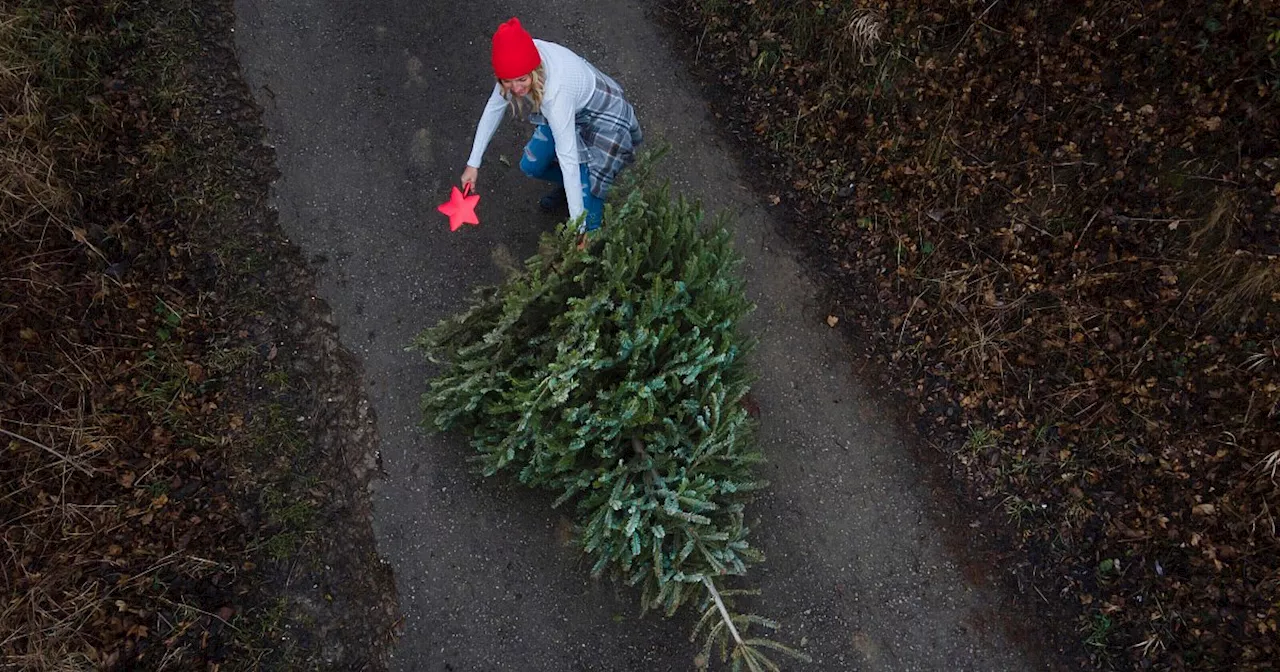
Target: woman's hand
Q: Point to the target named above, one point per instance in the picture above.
(469, 178)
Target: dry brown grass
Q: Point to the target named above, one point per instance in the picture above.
(31, 196)
(1237, 281)
(123, 541)
(1242, 282)
(865, 30)
(52, 441)
(53, 528)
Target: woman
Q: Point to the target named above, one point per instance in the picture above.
(586, 132)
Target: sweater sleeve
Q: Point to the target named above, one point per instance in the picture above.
(489, 120)
(560, 117)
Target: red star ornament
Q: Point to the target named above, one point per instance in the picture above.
(461, 208)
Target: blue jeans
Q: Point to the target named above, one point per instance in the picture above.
(539, 162)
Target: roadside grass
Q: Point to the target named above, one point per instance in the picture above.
(1060, 225)
(155, 478)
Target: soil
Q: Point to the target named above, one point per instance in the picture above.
(335, 595)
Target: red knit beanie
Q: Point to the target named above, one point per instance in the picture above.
(514, 54)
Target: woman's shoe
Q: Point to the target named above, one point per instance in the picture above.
(554, 201)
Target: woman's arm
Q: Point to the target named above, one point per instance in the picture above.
(489, 120)
(560, 117)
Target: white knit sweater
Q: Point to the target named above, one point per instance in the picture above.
(569, 83)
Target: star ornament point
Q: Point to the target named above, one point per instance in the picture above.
(460, 208)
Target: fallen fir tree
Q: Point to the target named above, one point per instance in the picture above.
(614, 376)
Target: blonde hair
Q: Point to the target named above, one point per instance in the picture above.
(533, 101)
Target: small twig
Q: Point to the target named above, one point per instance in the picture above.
(976, 21)
(903, 331)
(1125, 219)
(1266, 510)
(82, 469)
(724, 613)
(1086, 230)
(184, 605)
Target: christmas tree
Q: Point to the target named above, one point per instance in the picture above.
(614, 376)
